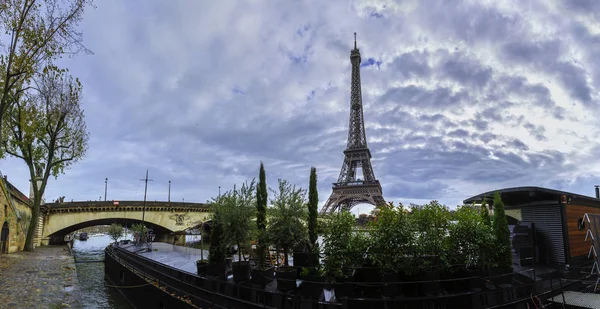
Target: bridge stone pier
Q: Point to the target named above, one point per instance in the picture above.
(167, 219)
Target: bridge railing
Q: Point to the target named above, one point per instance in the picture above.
(148, 204)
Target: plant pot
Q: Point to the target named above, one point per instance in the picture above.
(312, 286)
(241, 271)
(500, 275)
(370, 275)
(286, 278)
(342, 288)
(476, 280)
(262, 277)
(201, 268)
(409, 287)
(215, 269)
(391, 287)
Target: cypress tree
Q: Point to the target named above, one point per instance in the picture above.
(313, 203)
(485, 213)
(261, 215)
(502, 233)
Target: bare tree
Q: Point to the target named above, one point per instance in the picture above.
(46, 129)
(40, 31)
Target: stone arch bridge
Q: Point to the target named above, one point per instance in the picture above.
(168, 219)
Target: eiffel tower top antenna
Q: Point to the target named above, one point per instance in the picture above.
(355, 40)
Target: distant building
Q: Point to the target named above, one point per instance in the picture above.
(15, 215)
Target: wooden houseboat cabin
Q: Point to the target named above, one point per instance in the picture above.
(557, 218)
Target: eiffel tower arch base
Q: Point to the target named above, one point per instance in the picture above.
(345, 197)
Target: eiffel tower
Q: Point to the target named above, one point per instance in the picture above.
(349, 191)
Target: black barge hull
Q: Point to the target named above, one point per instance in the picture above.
(148, 284)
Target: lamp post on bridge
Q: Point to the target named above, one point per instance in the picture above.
(144, 209)
(105, 187)
(169, 191)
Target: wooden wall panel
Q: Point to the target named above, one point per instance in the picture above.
(577, 244)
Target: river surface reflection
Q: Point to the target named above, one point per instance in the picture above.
(94, 289)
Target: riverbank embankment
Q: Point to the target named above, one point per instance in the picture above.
(45, 278)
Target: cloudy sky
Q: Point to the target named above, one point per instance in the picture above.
(460, 97)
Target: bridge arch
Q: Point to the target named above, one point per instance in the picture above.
(124, 222)
(168, 218)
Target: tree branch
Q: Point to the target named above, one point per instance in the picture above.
(55, 163)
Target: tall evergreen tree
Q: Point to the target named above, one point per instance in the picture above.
(313, 203)
(261, 214)
(485, 213)
(502, 233)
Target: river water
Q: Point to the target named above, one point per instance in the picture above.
(94, 290)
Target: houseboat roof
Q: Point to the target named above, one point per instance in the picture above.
(525, 195)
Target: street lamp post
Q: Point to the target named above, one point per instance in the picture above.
(105, 187)
(169, 191)
(144, 209)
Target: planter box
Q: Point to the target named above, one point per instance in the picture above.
(312, 287)
(500, 275)
(286, 278)
(241, 271)
(432, 286)
(476, 281)
(342, 288)
(370, 275)
(201, 269)
(391, 287)
(262, 277)
(409, 287)
(215, 270)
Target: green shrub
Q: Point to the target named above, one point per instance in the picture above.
(392, 239)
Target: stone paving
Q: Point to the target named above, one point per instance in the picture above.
(45, 278)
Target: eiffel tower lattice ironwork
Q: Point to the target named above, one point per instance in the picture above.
(349, 191)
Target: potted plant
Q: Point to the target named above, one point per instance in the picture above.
(467, 239)
(115, 231)
(139, 231)
(391, 243)
(237, 213)
(262, 274)
(311, 250)
(337, 237)
(430, 222)
(502, 244)
(286, 229)
(218, 248)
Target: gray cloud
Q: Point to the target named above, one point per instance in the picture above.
(459, 97)
(466, 71)
(411, 65)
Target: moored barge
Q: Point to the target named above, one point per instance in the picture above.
(148, 283)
